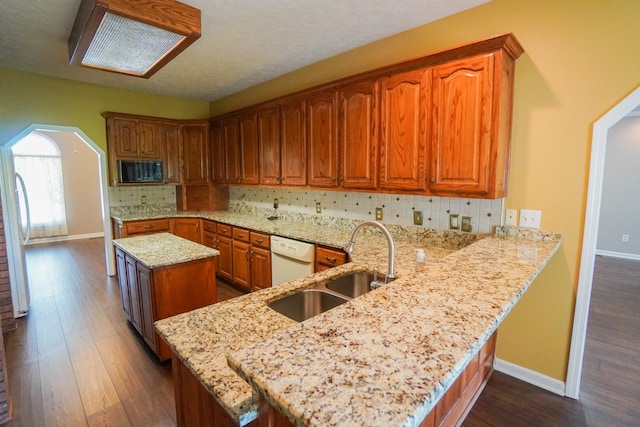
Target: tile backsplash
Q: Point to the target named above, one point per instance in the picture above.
(397, 209)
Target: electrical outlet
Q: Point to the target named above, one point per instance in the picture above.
(417, 217)
(511, 217)
(318, 207)
(143, 200)
(530, 219)
(625, 238)
(453, 222)
(465, 224)
(275, 203)
(379, 214)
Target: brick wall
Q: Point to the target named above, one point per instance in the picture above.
(7, 321)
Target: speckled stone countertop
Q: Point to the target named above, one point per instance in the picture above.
(433, 320)
(157, 250)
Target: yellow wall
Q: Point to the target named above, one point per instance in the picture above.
(581, 59)
(27, 98)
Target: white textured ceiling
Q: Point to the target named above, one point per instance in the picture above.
(243, 42)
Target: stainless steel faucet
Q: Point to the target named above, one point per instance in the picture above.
(348, 247)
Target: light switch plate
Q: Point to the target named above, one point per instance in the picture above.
(453, 222)
(530, 218)
(318, 207)
(465, 224)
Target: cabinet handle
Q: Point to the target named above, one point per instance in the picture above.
(246, 255)
(241, 236)
(333, 178)
(259, 241)
(432, 180)
(251, 256)
(148, 227)
(341, 178)
(197, 226)
(331, 260)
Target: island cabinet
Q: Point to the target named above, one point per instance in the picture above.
(403, 142)
(151, 293)
(450, 410)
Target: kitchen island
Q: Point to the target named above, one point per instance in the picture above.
(385, 358)
(161, 275)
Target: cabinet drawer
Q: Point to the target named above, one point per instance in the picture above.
(260, 240)
(208, 226)
(224, 230)
(241, 234)
(329, 257)
(141, 227)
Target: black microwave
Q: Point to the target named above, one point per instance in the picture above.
(140, 172)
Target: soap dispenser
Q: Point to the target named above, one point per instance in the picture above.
(421, 259)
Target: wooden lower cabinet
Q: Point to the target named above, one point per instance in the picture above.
(149, 295)
(260, 261)
(195, 406)
(187, 228)
(140, 228)
(450, 410)
(327, 258)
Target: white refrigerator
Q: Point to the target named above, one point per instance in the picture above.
(15, 212)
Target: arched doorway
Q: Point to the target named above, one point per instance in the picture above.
(15, 249)
(590, 235)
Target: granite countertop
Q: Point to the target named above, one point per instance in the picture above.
(157, 250)
(434, 320)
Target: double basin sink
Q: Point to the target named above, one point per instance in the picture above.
(323, 296)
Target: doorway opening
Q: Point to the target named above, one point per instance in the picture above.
(590, 235)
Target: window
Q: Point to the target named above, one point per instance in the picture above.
(37, 159)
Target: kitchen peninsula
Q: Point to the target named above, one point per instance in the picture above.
(161, 275)
(385, 358)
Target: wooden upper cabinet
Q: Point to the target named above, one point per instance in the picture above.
(358, 130)
(269, 143)
(217, 148)
(149, 140)
(123, 134)
(294, 148)
(195, 152)
(170, 141)
(322, 140)
(403, 142)
(468, 152)
(249, 149)
(231, 133)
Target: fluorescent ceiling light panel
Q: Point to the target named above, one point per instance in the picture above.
(134, 37)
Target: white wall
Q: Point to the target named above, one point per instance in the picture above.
(620, 206)
(80, 171)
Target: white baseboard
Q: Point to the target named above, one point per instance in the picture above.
(617, 254)
(65, 238)
(532, 377)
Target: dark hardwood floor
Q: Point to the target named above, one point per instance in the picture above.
(610, 388)
(73, 361)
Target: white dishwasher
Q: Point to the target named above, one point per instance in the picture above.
(290, 259)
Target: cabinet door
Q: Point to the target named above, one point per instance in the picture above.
(195, 153)
(122, 281)
(461, 113)
(358, 118)
(241, 264)
(322, 140)
(225, 259)
(211, 240)
(231, 134)
(149, 140)
(171, 143)
(218, 169)
(293, 152)
(134, 291)
(249, 149)
(146, 305)
(260, 268)
(187, 228)
(123, 133)
(269, 142)
(403, 145)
